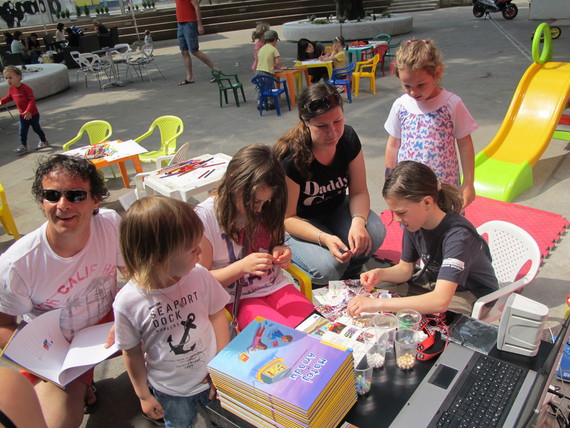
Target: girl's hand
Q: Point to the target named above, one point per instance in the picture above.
(27, 115)
(369, 279)
(337, 248)
(468, 194)
(257, 263)
(358, 237)
(282, 256)
(151, 407)
(361, 304)
(208, 379)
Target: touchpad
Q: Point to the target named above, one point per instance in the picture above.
(443, 376)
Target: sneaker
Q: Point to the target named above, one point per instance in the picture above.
(42, 145)
(22, 149)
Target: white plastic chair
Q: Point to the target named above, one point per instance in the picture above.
(180, 156)
(120, 50)
(511, 249)
(92, 64)
(142, 61)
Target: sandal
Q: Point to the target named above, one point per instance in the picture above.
(212, 80)
(185, 82)
(90, 407)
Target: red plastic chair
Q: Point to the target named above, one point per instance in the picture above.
(380, 50)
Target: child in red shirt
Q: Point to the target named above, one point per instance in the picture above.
(24, 98)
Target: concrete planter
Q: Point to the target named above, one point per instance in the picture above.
(350, 30)
(44, 79)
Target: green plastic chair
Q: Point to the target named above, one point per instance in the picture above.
(225, 84)
(97, 132)
(169, 127)
(382, 37)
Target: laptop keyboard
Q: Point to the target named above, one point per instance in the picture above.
(486, 396)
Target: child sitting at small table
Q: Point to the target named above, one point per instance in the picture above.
(337, 55)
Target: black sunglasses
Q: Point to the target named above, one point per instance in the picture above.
(332, 100)
(74, 196)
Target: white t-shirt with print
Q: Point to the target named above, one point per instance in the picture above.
(173, 325)
(34, 279)
(428, 130)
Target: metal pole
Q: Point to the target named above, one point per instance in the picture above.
(135, 20)
(41, 14)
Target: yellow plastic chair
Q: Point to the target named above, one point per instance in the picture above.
(6, 216)
(365, 69)
(170, 127)
(97, 131)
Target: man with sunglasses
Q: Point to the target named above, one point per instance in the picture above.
(68, 263)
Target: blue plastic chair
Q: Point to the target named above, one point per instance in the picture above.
(266, 86)
(343, 77)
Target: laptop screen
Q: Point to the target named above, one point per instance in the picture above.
(545, 374)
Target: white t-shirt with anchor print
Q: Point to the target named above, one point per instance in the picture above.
(173, 325)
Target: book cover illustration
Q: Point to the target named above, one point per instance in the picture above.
(282, 362)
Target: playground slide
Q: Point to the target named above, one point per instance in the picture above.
(503, 169)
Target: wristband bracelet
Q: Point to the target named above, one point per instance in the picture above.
(360, 216)
(319, 239)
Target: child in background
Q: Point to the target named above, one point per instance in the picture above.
(169, 318)
(258, 37)
(147, 38)
(23, 97)
(426, 122)
(337, 55)
(457, 263)
(244, 235)
(307, 50)
(268, 58)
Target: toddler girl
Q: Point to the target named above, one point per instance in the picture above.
(169, 318)
(337, 55)
(258, 37)
(426, 122)
(243, 239)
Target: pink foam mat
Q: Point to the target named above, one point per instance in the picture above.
(545, 227)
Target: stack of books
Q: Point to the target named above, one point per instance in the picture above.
(272, 375)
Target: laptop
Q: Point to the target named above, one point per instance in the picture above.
(439, 399)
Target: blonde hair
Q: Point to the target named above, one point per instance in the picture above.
(260, 31)
(12, 69)
(251, 167)
(415, 55)
(340, 40)
(153, 230)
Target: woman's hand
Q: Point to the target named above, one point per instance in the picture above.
(337, 248)
(358, 237)
(361, 304)
(151, 407)
(257, 264)
(282, 256)
(370, 278)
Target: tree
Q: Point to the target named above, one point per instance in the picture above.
(349, 9)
